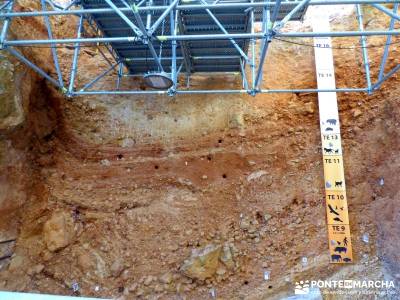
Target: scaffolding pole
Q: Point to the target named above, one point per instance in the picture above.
(139, 18)
(193, 7)
(363, 42)
(387, 45)
(74, 67)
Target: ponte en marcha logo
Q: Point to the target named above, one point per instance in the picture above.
(307, 286)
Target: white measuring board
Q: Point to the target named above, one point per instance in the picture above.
(335, 188)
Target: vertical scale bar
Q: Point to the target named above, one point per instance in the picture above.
(335, 189)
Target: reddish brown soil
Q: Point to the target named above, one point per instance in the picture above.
(148, 180)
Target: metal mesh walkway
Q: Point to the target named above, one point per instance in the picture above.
(202, 56)
(166, 41)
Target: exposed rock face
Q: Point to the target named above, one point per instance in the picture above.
(15, 172)
(387, 213)
(227, 257)
(256, 175)
(58, 231)
(157, 176)
(10, 108)
(209, 261)
(15, 85)
(203, 263)
(16, 263)
(166, 278)
(86, 261)
(117, 267)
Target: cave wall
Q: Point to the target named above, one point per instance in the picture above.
(124, 195)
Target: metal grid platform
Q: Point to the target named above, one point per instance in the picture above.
(202, 56)
(176, 38)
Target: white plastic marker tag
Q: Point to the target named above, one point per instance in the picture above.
(335, 188)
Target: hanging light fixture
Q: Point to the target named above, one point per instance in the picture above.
(158, 80)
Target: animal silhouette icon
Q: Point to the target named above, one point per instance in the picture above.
(338, 183)
(336, 257)
(331, 121)
(332, 210)
(347, 259)
(340, 249)
(328, 150)
(337, 219)
(328, 129)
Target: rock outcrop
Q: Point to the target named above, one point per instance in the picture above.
(209, 261)
(58, 231)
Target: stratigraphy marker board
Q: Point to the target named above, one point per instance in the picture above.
(335, 188)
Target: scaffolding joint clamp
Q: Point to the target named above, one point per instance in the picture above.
(135, 8)
(64, 91)
(171, 92)
(144, 39)
(268, 36)
(253, 92)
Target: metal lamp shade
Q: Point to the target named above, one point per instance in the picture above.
(159, 80)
